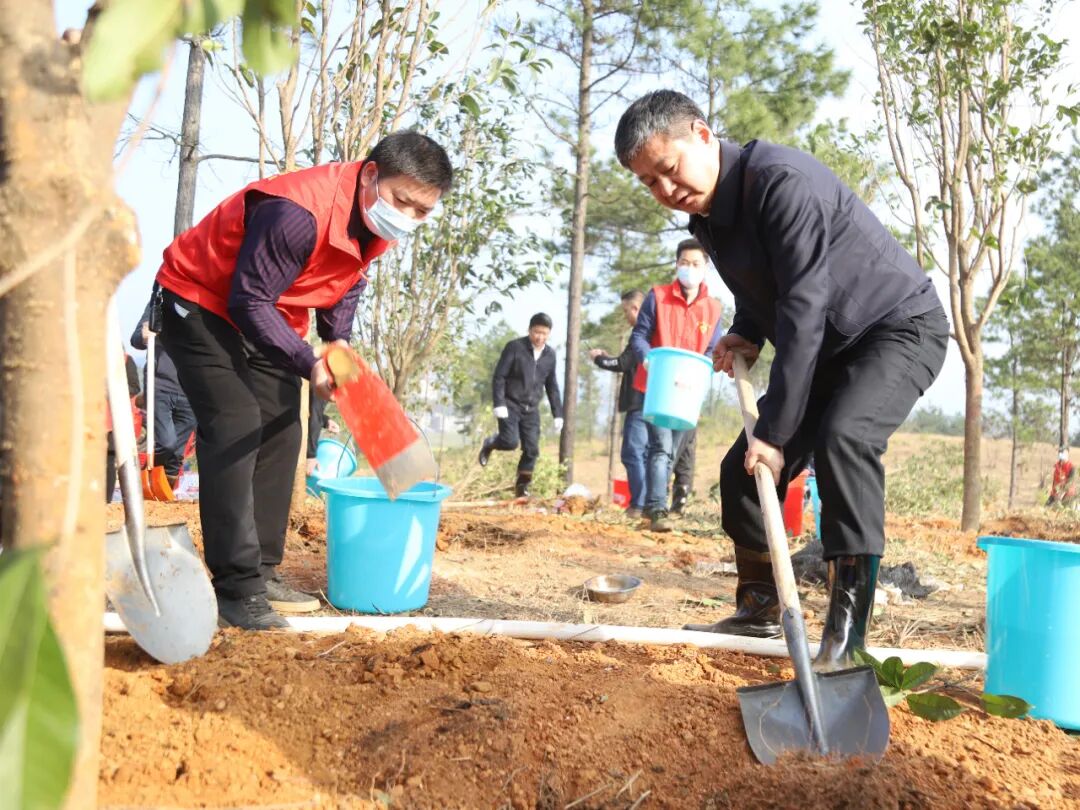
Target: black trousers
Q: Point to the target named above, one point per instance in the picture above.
(247, 443)
(521, 426)
(858, 398)
(685, 460)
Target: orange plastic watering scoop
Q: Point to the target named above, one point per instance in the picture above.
(392, 445)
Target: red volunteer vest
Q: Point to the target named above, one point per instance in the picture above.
(200, 262)
(680, 325)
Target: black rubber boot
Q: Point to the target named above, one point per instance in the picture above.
(679, 496)
(757, 605)
(485, 450)
(852, 581)
(521, 486)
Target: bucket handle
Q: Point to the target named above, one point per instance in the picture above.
(438, 467)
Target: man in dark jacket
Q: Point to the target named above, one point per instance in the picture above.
(858, 330)
(525, 370)
(635, 438)
(173, 418)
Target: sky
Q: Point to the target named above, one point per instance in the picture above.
(148, 182)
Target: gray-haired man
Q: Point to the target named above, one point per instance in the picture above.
(859, 335)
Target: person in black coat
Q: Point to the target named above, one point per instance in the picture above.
(859, 334)
(524, 372)
(635, 438)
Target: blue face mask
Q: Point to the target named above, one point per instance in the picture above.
(387, 222)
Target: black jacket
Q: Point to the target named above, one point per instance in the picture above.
(164, 369)
(810, 266)
(630, 399)
(520, 380)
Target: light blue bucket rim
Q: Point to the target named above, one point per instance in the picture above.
(341, 449)
(682, 353)
(1032, 544)
(359, 487)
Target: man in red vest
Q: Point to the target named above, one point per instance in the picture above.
(238, 289)
(678, 315)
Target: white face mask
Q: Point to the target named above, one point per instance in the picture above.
(386, 221)
(1063, 455)
(690, 275)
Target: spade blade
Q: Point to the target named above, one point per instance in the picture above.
(853, 711)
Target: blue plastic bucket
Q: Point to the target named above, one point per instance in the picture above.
(677, 383)
(379, 552)
(335, 460)
(1032, 627)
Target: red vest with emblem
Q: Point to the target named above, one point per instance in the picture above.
(200, 262)
(680, 325)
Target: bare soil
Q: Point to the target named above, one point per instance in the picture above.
(442, 721)
(362, 720)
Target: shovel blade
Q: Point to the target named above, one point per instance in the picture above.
(184, 594)
(853, 712)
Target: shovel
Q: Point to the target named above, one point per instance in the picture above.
(393, 447)
(839, 714)
(153, 576)
(155, 483)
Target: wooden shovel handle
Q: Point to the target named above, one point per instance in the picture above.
(770, 503)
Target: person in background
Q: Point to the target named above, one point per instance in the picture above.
(132, 372)
(679, 315)
(318, 421)
(859, 334)
(174, 420)
(635, 438)
(526, 369)
(238, 290)
(1063, 486)
(683, 470)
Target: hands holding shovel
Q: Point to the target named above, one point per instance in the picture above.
(758, 451)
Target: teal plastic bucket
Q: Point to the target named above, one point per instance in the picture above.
(1032, 626)
(379, 552)
(677, 383)
(335, 460)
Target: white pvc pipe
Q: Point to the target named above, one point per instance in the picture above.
(775, 648)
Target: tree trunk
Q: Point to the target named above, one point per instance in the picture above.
(1065, 396)
(613, 434)
(184, 216)
(58, 210)
(299, 489)
(577, 243)
(973, 391)
(1014, 421)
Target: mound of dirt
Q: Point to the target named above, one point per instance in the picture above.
(470, 531)
(432, 721)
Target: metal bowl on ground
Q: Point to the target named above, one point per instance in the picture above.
(613, 588)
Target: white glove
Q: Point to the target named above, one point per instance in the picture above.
(558, 424)
(501, 412)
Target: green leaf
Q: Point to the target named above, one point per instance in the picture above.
(39, 725)
(918, 674)
(934, 707)
(470, 105)
(892, 671)
(863, 658)
(129, 39)
(892, 695)
(1005, 705)
(202, 15)
(266, 43)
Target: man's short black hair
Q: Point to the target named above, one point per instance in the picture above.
(659, 112)
(407, 152)
(540, 319)
(688, 244)
(632, 295)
